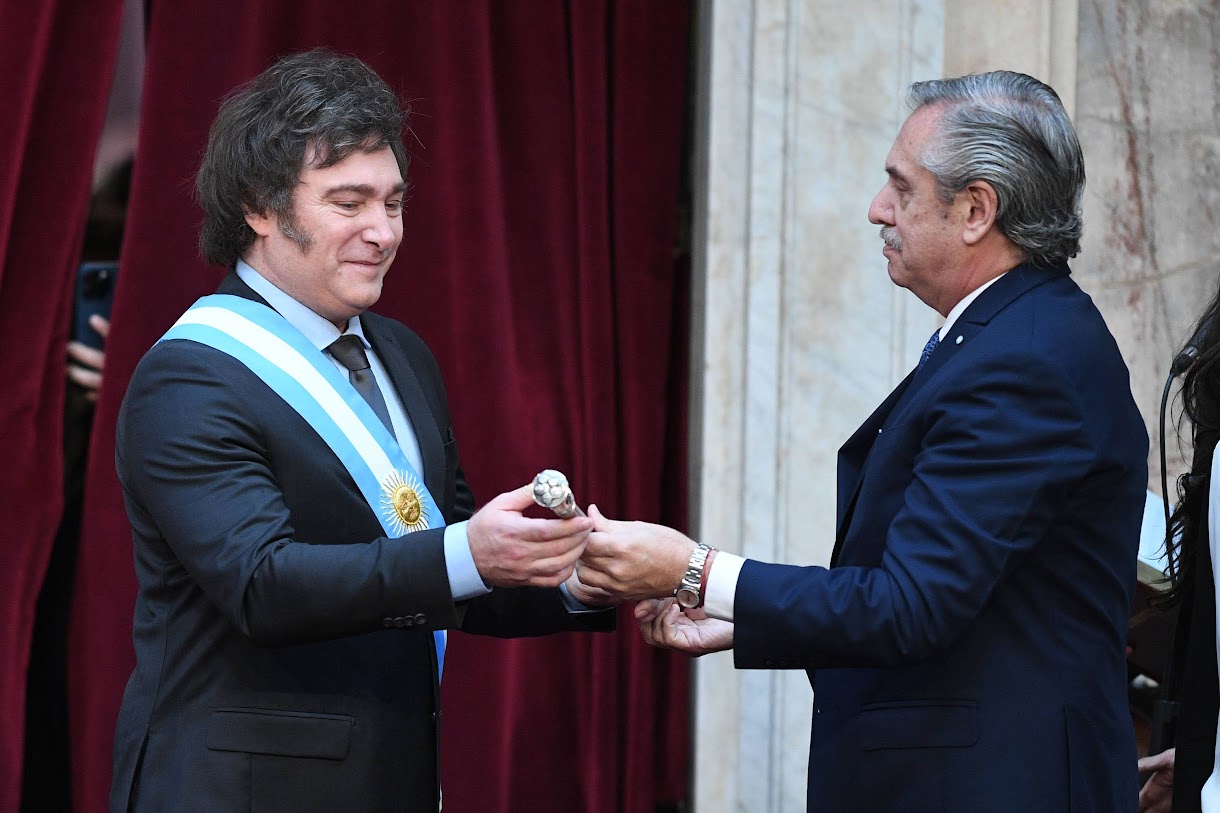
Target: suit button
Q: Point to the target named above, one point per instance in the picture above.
(421, 619)
(408, 621)
(400, 622)
(387, 622)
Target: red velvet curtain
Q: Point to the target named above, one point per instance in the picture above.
(539, 265)
(56, 60)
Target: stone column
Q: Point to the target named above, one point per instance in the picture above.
(1037, 37)
(799, 333)
(1148, 114)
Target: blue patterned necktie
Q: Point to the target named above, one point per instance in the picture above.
(927, 350)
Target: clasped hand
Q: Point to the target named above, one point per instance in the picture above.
(633, 560)
(643, 562)
(513, 550)
(601, 561)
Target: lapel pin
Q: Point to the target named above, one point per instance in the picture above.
(959, 339)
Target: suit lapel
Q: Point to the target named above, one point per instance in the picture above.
(423, 421)
(976, 316)
(394, 358)
(855, 451)
(853, 456)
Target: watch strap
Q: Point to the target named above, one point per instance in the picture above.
(707, 568)
(692, 579)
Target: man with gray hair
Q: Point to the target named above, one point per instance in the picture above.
(303, 531)
(966, 645)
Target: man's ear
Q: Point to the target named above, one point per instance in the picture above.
(984, 205)
(260, 222)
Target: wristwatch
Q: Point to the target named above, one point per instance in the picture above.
(690, 592)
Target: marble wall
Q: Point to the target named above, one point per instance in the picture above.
(798, 331)
(1148, 114)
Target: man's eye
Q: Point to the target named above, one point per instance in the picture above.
(347, 205)
(393, 207)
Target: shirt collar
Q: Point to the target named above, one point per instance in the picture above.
(960, 307)
(319, 330)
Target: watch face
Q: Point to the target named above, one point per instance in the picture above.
(687, 598)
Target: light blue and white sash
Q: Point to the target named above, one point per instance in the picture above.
(308, 381)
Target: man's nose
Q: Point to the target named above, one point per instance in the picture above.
(878, 213)
(380, 229)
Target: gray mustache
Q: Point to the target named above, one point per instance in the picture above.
(890, 236)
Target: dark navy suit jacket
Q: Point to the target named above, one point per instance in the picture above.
(273, 675)
(967, 645)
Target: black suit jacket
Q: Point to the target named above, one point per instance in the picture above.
(284, 649)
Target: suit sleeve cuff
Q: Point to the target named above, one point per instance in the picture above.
(722, 585)
(464, 579)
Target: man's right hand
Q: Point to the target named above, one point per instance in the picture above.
(513, 550)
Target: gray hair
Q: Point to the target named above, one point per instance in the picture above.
(316, 107)
(1012, 131)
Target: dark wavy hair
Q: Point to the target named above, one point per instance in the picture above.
(316, 107)
(1201, 407)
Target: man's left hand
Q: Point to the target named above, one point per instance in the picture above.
(664, 624)
(634, 560)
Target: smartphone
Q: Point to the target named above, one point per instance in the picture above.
(94, 294)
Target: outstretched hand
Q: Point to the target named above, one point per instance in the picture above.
(513, 550)
(664, 624)
(634, 560)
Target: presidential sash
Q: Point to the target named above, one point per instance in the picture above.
(308, 381)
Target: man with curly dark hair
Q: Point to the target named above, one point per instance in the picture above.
(303, 530)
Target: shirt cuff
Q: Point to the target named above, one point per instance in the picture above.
(574, 606)
(722, 585)
(464, 579)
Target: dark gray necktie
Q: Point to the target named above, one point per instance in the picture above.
(349, 351)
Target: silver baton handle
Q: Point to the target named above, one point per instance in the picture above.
(551, 490)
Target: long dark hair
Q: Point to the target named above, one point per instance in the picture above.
(1201, 406)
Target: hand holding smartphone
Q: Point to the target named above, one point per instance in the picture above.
(95, 284)
(90, 324)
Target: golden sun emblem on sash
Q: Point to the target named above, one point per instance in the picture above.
(402, 504)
